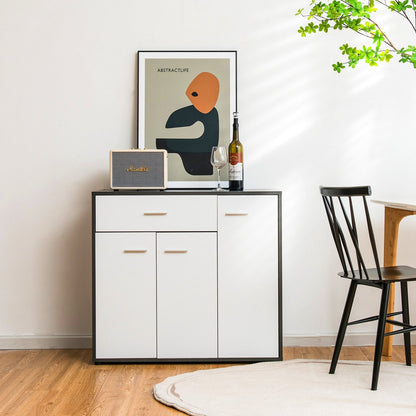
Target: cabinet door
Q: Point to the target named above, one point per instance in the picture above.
(125, 292)
(187, 295)
(248, 276)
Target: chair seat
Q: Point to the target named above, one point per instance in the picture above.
(389, 274)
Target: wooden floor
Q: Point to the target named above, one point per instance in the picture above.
(66, 383)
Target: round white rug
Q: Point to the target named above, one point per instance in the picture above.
(292, 388)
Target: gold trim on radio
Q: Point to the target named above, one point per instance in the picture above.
(139, 169)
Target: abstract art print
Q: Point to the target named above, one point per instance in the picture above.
(185, 104)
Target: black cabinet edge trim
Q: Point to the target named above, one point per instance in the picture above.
(183, 360)
(186, 192)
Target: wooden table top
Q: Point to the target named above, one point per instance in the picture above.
(408, 206)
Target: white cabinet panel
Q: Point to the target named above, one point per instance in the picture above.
(156, 213)
(248, 276)
(187, 295)
(125, 290)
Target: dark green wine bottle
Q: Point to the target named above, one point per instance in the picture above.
(235, 159)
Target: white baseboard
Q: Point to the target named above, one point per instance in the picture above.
(29, 342)
(353, 340)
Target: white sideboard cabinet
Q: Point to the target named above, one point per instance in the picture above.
(186, 275)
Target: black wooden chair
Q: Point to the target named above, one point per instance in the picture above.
(343, 207)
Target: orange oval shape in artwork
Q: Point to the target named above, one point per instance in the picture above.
(203, 92)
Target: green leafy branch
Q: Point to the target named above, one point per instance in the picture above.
(359, 17)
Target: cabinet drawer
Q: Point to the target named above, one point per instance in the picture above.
(251, 208)
(156, 213)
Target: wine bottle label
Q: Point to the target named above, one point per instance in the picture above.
(236, 158)
(235, 172)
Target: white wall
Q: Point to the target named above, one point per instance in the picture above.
(67, 96)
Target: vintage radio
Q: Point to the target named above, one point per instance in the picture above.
(138, 169)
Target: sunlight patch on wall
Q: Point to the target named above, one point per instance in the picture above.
(280, 98)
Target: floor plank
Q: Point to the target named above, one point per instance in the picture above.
(67, 383)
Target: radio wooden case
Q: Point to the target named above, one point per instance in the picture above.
(138, 169)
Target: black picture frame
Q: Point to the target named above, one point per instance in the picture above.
(185, 123)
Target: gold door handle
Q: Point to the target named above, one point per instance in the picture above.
(235, 214)
(135, 251)
(175, 251)
(155, 213)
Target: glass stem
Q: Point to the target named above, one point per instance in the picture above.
(219, 186)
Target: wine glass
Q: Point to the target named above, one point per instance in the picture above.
(218, 160)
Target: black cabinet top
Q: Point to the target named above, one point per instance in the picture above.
(184, 192)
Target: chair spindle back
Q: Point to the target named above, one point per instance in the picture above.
(341, 206)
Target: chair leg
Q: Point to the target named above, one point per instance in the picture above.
(343, 326)
(406, 320)
(380, 334)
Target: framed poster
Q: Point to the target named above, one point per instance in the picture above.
(185, 105)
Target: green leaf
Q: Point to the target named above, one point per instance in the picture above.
(378, 38)
(385, 55)
(344, 48)
(312, 28)
(400, 6)
(302, 32)
(338, 66)
(324, 26)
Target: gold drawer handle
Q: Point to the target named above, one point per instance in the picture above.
(175, 251)
(135, 251)
(155, 213)
(235, 214)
